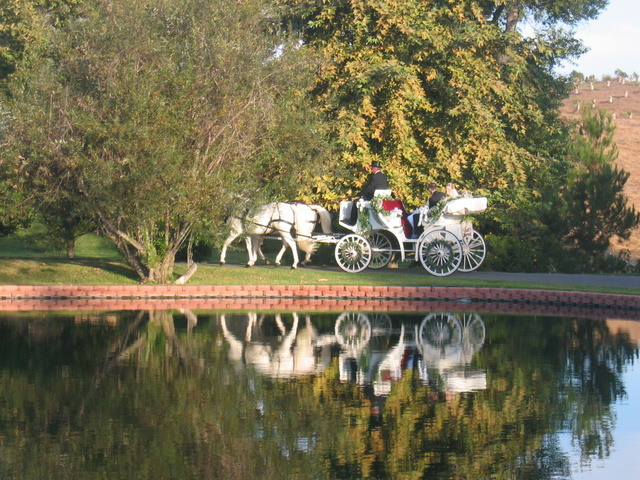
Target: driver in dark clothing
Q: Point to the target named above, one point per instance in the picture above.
(377, 181)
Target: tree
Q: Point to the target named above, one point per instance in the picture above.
(21, 27)
(159, 114)
(441, 91)
(66, 220)
(620, 74)
(437, 92)
(595, 207)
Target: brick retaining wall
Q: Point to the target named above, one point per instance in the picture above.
(318, 297)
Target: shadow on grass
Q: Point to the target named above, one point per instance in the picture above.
(114, 267)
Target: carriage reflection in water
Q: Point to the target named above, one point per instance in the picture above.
(440, 348)
(372, 351)
(447, 243)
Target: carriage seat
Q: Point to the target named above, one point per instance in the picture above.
(390, 205)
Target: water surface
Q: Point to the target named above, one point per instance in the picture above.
(320, 395)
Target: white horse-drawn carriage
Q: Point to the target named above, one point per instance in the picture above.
(446, 243)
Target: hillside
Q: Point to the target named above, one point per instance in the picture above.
(623, 101)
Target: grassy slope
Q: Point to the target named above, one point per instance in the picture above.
(98, 263)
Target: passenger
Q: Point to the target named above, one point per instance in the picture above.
(414, 218)
(436, 196)
(450, 190)
(377, 181)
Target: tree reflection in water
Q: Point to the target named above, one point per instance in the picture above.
(166, 394)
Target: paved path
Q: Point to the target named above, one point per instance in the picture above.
(627, 281)
(624, 281)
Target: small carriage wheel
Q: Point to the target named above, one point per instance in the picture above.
(473, 331)
(353, 330)
(381, 247)
(353, 253)
(381, 324)
(473, 251)
(440, 252)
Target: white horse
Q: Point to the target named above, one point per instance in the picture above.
(279, 218)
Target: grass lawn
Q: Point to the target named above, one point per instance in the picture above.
(25, 261)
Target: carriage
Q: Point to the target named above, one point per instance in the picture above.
(448, 242)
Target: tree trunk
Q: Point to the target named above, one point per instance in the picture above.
(187, 275)
(142, 254)
(513, 17)
(161, 273)
(71, 248)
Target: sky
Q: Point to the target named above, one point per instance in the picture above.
(613, 39)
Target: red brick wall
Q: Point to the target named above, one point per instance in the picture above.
(319, 297)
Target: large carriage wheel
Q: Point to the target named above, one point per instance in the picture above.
(473, 251)
(381, 247)
(440, 252)
(353, 330)
(353, 253)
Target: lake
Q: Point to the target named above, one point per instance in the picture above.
(181, 394)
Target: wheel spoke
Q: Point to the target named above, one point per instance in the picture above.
(381, 248)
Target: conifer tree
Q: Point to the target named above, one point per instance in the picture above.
(595, 206)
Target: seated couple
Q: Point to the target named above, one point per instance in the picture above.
(436, 196)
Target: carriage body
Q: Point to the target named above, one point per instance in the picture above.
(447, 243)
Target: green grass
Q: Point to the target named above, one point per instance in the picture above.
(24, 262)
(31, 271)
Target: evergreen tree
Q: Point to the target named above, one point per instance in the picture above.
(595, 207)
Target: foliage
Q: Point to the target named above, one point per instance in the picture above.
(160, 115)
(22, 28)
(15, 209)
(436, 92)
(372, 207)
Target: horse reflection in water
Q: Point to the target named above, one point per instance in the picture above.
(373, 354)
(283, 354)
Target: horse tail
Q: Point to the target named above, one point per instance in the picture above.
(324, 216)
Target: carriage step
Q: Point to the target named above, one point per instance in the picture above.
(327, 238)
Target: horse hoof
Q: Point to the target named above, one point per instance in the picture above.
(248, 266)
(222, 263)
(293, 267)
(267, 262)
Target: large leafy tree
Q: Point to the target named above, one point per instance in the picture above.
(440, 90)
(159, 114)
(443, 91)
